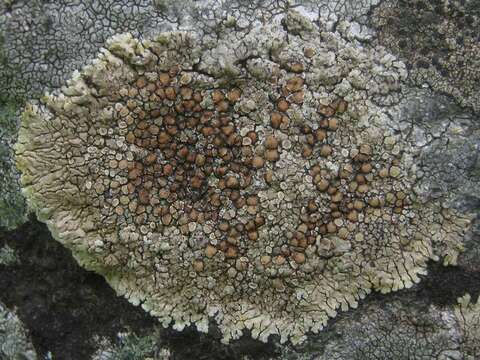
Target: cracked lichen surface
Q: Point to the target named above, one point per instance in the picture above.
(253, 179)
(440, 42)
(8, 256)
(12, 204)
(468, 316)
(397, 330)
(14, 340)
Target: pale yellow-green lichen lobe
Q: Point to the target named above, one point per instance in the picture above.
(267, 202)
(467, 313)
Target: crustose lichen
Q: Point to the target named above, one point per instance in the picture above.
(267, 202)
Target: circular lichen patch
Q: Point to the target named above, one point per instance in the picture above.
(263, 190)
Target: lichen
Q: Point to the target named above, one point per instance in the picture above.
(468, 316)
(8, 256)
(14, 341)
(399, 329)
(438, 40)
(256, 182)
(130, 346)
(12, 204)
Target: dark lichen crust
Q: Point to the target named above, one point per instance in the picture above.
(440, 42)
(257, 182)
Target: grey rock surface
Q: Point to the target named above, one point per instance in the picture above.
(402, 328)
(7, 256)
(14, 341)
(12, 205)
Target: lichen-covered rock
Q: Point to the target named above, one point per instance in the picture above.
(468, 316)
(440, 42)
(445, 139)
(398, 331)
(45, 41)
(405, 327)
(7, 256)
(14, 342)
(130, 346)
(12, 204)
(256, 181)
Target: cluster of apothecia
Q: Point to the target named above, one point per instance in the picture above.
(266, 204)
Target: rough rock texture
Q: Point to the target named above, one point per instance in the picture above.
(62, 305)
(131, 346)
(12, 204)
(256, 180)
(439, 40)
(404, 328)
(468, 315)
(448, 139)
(7, 256)
(67, 308)
(43, 42)
(14, 341)
(40, 47)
